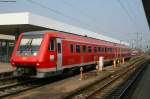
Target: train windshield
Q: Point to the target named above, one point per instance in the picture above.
(29, 45)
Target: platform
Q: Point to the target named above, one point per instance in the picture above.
(141, 88)
(5, 67)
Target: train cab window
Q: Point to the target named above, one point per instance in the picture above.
(95, 49)
(89, 49)
(84, 48)
(71, 48)
(58, 47)
(78, 48)
(52, 45)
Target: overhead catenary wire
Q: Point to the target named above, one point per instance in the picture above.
(83, 13)
(59, 13)
(79, 21)
(128, 14)
(133, 21)
(134, 16)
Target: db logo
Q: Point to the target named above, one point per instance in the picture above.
(24, 58)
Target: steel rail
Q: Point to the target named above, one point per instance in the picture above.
(106, 79)
(17, 87)
(125, 87)
(109, 82)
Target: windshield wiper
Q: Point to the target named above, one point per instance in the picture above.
(28, 45)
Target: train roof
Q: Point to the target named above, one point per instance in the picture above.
(66, 35)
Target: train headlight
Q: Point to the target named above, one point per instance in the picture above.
(13, 63)
(34, 54)
(37, 64)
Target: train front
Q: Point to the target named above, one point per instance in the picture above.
(26, 55)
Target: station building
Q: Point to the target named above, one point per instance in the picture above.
(6, 47)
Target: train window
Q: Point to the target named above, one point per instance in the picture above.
(71, 48)
(84, 48)
(52, 45)
(99, 49)
(95, 49)
(110, 49)
(58, 47)
(105, 49)
(102, 49)
(89, 49)
(78, 48)
(122, 49)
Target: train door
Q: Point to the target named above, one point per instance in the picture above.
(52, 52)
(59, 54)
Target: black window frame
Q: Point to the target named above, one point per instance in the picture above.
(105, 49)
(99, 49)
(59, 48)
(71, 48)
(78, 49)
(89, 49)
(102, 49)
(50, 44)
(84, 48)
(95, 49)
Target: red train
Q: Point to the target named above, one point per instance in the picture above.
(47, 53)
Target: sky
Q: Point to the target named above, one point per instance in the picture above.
(119, 19)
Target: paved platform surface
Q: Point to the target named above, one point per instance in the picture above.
(5, 67)
(142, 91)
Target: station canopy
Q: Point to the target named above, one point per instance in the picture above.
(10, 23)
(146, 4)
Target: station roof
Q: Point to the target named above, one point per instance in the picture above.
(146, 4)
(25, 21)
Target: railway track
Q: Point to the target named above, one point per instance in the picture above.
(101, 92)
(21, 85)
(122, 90)
(17, 87)
(94, 90)
(6, 75)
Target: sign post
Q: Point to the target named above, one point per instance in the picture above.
(101, 63)
(81, 73)
(114, 63)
